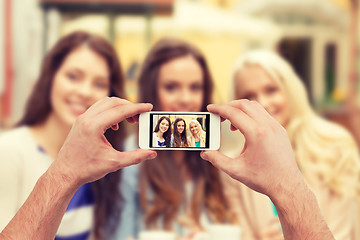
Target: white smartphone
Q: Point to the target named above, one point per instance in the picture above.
(179, 131)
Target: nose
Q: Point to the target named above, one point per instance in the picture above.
(186, 97)
(85, 89)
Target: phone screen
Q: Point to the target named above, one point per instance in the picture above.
(179, 130)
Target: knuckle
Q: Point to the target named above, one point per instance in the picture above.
(242, 104)
(106, 99)
(86, 126)
(256, 104)
(115, 100)
(261, 132)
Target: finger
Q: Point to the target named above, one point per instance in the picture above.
(126, 159)
(115, 127)
(131, 119)
(223, 163)
(252, 108)
(244, 148)
(104, 104)
(135, 118)
(115, 115)
(238, 119)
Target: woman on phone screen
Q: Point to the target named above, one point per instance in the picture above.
(179, 138)
(162, 133)
(198, 135)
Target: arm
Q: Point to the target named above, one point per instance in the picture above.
(85, 157)
(267, 165)
(42, 212)
(299, 213)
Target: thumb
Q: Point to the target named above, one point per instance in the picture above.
(134, 157)
(232, 167)
(217, 159)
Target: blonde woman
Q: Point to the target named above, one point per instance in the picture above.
(325, 153)
(198, 135)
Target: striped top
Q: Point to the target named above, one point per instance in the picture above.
(22, 163)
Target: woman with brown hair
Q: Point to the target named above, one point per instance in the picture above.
(179, 138)
(162, 133)
(177, 191)
(78, 71)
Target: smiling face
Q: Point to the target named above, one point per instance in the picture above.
(254, 83)
(164, 126)
(194, 129)
(180, 85)
(81, 80)
(180, 126)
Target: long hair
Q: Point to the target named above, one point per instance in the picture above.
(325, 152)
(167, 134)
(38, 108)
(161, 176)
(180, 140)
(201, 133)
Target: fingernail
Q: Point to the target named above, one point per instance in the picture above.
(203, 156)
(153, 155)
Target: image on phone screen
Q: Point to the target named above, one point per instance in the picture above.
(184, 131)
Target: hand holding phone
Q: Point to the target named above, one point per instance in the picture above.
(179, 131)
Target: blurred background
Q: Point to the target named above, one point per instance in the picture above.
(320, 38)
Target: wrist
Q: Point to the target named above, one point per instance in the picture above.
(63, 182)
(290, 194)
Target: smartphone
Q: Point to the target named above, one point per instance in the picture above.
(179, 131)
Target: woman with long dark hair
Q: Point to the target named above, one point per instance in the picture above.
(162, 133)
(179, 138)
(177, 191)
(78, 71)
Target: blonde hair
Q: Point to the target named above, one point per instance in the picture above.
(201, 133)
(325, 152)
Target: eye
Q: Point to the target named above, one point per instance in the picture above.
(249, 97)
(271, 89)
(196, 87)
(101, 85)
(72, 76)
(171, 87)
